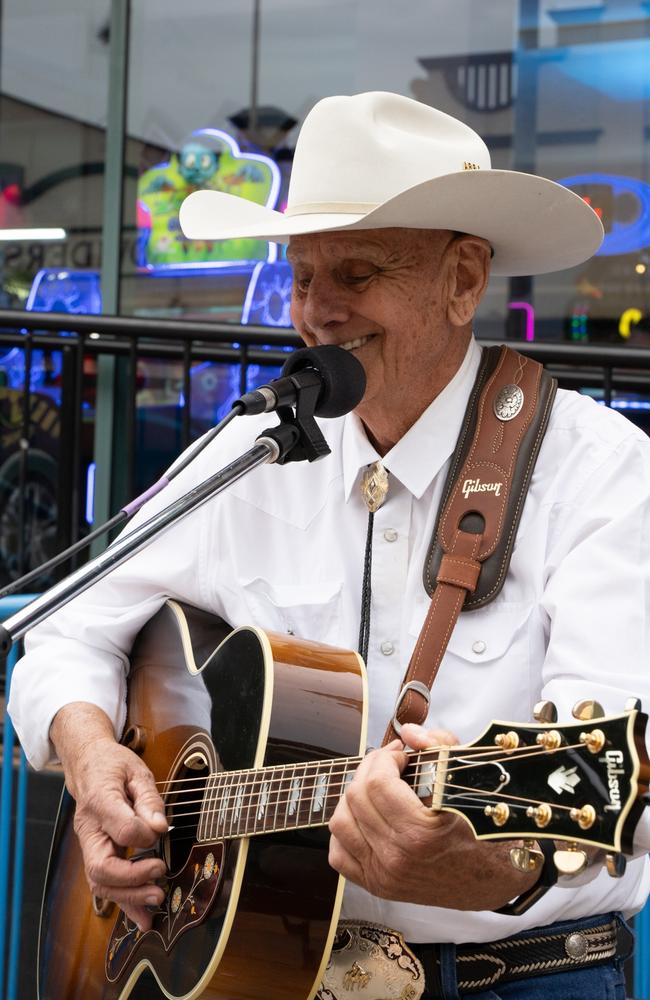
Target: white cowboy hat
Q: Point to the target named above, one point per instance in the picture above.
(376, 160)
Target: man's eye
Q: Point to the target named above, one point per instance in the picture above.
(302, 284)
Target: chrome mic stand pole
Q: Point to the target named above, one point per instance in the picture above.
(273, 445)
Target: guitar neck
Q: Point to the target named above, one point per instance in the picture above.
(289, 797)
(581, 782)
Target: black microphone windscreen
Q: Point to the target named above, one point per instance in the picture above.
(344, 380)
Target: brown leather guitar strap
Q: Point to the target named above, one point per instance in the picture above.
(482, 502)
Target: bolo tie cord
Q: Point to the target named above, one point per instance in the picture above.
(374, 487)
(364, 628)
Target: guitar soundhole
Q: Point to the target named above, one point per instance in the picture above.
(183, 810)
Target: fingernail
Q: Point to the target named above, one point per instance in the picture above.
(159, 818)
(152, 901)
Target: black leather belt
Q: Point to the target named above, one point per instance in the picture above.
(482, 966)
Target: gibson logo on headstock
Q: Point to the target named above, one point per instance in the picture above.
(612, 760)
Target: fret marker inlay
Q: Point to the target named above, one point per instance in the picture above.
(295, 795)
(264, 798)
(320, 791)
(238, 803)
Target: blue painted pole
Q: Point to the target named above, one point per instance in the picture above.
(17, 890)
(9, 606)
(642, 954)
(6, 796)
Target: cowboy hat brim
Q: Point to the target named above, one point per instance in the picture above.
(534, 225)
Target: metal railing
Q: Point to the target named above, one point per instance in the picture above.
(136, 340)
(79, 339)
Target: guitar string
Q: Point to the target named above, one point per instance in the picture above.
(210, 813)
(475, 802)
(414, 771)
(209, 810)
(451, 792)
(461, 751)
(225, 814)
(517, 753)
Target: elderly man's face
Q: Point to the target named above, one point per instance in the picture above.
(383, 294)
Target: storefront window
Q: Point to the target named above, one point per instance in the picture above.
(53, 97)
(556, 87)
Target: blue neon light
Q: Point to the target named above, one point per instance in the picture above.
(617, 69)
(268, 297)
(628, 237)
(90, 492)
(627, 404)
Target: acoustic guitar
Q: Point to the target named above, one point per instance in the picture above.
(252, 738)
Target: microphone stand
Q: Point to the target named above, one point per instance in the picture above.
(296, 438)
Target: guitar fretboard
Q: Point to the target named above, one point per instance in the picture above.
(270, 799)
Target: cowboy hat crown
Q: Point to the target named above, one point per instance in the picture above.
(380, 160)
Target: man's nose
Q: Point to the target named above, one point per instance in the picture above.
(325, 304)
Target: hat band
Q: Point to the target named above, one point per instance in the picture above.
(331, 208)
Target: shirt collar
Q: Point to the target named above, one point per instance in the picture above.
(418, 457)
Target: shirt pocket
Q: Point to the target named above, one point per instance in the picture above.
(485, 673)
(309, 611)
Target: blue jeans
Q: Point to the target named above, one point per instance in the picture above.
(600, 982)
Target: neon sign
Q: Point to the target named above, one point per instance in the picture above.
(210, 160)
(529, 312)
(625, 196)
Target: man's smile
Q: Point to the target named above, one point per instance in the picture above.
(351, 345)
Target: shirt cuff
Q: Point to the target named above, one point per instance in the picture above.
(42, 684)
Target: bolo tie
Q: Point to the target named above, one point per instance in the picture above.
(374, 487)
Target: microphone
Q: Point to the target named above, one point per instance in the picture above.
(338, 374)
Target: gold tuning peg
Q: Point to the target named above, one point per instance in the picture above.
(586, 710)
(527, 858)
(499, 813)
(570, 861)
(545, 711)
(615, 865)
(633, 705)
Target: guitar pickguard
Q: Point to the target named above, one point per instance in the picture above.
(188, 899)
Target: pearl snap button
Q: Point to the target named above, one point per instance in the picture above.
(479, 646)
(390, 535)
(387, 648)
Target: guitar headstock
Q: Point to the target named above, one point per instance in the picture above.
(582, 783)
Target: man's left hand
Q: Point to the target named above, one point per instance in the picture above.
(385, 839)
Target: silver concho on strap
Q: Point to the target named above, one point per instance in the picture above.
(508, 402)
(373, 962)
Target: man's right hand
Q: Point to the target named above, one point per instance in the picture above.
(118, 807)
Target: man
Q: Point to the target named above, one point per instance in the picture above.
(384, 194)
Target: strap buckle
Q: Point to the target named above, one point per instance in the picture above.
(420, 689)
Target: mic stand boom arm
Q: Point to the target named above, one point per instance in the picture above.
(271, 446)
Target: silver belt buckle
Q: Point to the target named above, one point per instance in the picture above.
(373, 961)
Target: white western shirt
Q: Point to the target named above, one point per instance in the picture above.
(284, 549)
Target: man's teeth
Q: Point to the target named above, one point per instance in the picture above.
(353, 344)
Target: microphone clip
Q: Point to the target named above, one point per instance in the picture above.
(308, 444)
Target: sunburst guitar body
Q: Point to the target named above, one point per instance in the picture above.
(252, 738)
(244, 916)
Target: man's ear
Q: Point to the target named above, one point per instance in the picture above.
(469, 277)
